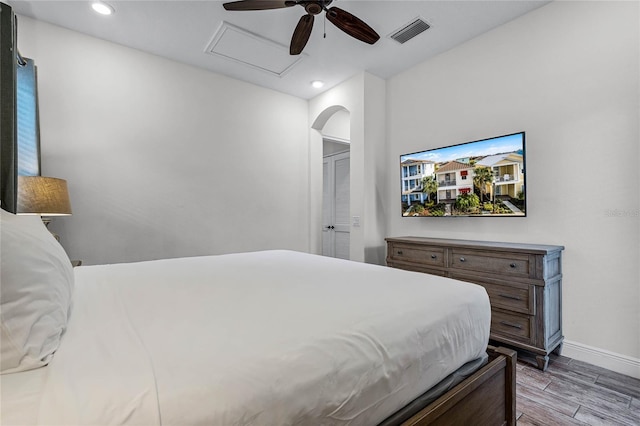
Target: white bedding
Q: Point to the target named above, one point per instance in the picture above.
(264, 338)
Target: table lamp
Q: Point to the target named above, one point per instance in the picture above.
(44, 196)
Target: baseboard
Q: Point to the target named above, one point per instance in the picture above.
(602, 358)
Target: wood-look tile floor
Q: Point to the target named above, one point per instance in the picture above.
(572, 392)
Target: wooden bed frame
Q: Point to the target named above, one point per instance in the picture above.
(487, 397)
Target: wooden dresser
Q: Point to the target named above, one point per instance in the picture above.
(524, 283)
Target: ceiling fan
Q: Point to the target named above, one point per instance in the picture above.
(342, 19)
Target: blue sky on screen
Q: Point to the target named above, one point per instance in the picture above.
(28, 162)
(485, 147)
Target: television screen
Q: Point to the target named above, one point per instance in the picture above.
(481, 178)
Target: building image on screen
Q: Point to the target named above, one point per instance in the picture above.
(483, 178)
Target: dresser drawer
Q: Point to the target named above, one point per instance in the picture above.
(517, 299)
(510, 264)
(417, 268)
(510, 297)
(424, 255)
(512, 325)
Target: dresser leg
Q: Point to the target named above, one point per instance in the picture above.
(557, 350)
(543, 361)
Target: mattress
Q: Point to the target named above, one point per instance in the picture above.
(274, 337)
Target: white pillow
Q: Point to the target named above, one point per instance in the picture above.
(36, 286)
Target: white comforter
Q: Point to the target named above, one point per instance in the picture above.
(265, 338)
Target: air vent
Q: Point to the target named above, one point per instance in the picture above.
(410, 30)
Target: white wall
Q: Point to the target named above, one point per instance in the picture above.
(568, 75)
(376, 176)
(163, 159)
(336, 133)
(363, 96)
(338, 127)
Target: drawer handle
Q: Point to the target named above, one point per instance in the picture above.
(508, 296)
(510, 324)
(462, 259)
(513, 265)
(399, 252)
(433, 256)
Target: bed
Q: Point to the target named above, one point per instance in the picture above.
(262, 338)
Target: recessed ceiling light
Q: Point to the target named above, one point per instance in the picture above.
(317, 84)
(102, 8)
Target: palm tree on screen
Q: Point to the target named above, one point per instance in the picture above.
(429, 186)
(483, 176)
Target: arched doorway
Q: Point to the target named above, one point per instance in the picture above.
(334, 127)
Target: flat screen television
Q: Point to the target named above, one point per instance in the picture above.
(483, 178)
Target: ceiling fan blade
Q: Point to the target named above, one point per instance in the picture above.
(351, 25)
(301, 34)
(258, 4)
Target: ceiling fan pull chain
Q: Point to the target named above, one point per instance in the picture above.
(325, 26)
(324, 21)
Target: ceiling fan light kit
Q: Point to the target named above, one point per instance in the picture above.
(342, 19)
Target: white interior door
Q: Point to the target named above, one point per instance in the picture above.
(335, 205)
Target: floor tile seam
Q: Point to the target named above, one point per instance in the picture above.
(559, 376)
(564, 400)
(533, 386)
(605, 387)
(593, 386)
(604, 415)
(622, 391)
(612, 404)
(608, 415)
(532, 415)
(576, 412)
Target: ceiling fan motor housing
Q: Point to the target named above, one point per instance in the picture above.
(313, 8)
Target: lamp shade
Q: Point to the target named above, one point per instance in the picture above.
(45, 196)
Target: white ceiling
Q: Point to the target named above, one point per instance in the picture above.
(183, 29)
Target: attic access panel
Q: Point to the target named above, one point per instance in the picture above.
(247, 48)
